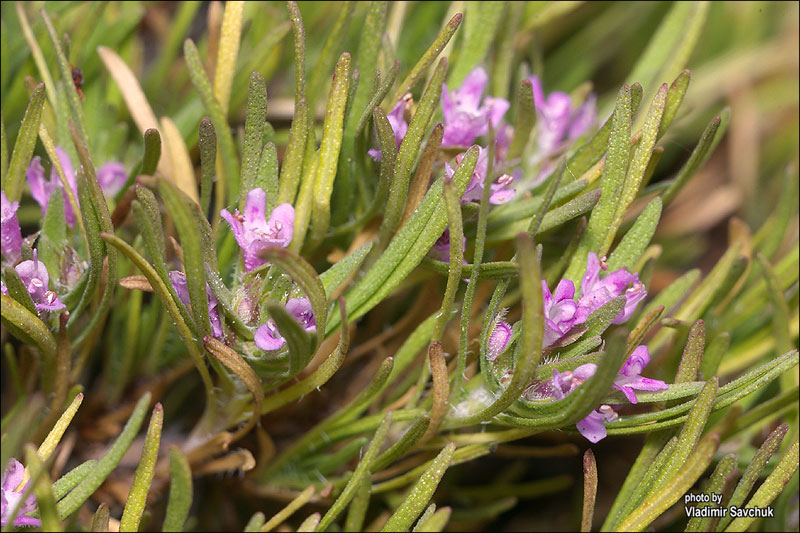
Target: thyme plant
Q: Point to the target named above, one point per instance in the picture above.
(397, 266)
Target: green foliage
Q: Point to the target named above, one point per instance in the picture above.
(363, 415)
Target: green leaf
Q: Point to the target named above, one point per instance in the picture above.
(142, 479)
(725, 468)
(27, 327)
(408, 247)
(636, 240)
(753, 471)
(179, 206)
(452, 203)
(333, 44)
(671, 46)
(42, 488)
(267, 177)
(292, 167)
(596, 237)
(407, 155)
(230, 165)
(253, 134)
(73, 501)
(711, 136)
(771, 487)
(670, 493)
(208, 158)
(299, 51)
(361, 471)
(677, 90)
(23, 148)
(180, 491)
(480, 27)
(524, 121)
(416, 501)
(70, 480)
(340, 271)
(369, 47)
(428, 57)
(329, 151)
(281, 516)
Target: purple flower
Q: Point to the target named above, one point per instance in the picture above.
(267, 336)
(501, 191)
(556, 120)
(398, 123)
(561, 312)
(178, 280)
(498, 340)
(629, 377)
(36, 279)
(254, 233)
(10, 234)
(12, 498)
(441, 248)
(465, 118)
(111, 177)
(597, 292)
(593, 427)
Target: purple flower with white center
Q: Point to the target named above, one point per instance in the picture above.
(254, 233)
(35, 278)
(398, 123)
(629, 377)
(501, 191)
(267, 336)
(596, 292)
(10, 234)
(593, 427)
(12, 498)
(498, 340)
(111, 177)
(178, 280)
(465, 116)
(556, 120)
(561, 312)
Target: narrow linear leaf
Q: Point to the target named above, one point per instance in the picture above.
(143, 477)
(180, 491)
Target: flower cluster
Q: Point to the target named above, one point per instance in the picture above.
(254, 233)
(558, 123)
(628, 380)
(12, 497)
(562, 311)
(467, 115)
(111, 177)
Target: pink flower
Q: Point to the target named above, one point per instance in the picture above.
(465, 117)
(629, 377)
(561, 312)
(556, 120)
(178, 280)
(399, 126)
(36, 279)
(593, 427)
(10, 233)
(267, 336)
(501, 191)
(12, 498)
(111, 177)
(596, 292)
(254, 233)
